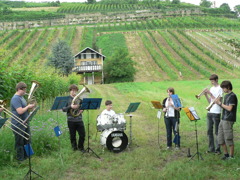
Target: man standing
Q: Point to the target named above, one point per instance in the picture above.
(20, 108)
(229, 115)
(213, 115)
(75, 123)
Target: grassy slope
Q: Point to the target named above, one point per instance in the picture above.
(144, 159)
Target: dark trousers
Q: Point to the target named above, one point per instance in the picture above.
(213, 121)
(19, 144)
(170, 123)
(73, 128)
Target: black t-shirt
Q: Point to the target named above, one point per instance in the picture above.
(230, 99)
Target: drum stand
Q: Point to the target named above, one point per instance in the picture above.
(197, 153)
(88, 148)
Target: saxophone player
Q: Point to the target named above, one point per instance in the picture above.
(213, 115)
(75, 123)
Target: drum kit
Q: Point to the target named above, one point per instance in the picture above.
(112, 128)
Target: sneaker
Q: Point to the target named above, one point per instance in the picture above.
(177, 148)
(82, 150)
(225, 158)
(218, 152)
(209, 152)
(169, 148)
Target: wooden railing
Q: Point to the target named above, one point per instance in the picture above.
(87, 68)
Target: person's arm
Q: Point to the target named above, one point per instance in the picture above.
(21, 110)
(67, 107)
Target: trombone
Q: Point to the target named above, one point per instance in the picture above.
(9, 122)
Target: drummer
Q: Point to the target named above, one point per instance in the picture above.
(108, 111)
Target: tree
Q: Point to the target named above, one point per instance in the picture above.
(175, 1)
(225, 7)
(237, 9)
(206, 3)
(119, 67)
(62, 57)
(91, 1)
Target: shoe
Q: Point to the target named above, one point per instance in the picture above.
(225, 158)
(218, 152)
(82, 150)
(209, 152)
(169, 148)
(177, 148)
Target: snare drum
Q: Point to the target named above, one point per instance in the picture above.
(119, 122)
(104, 122)
(114, 140)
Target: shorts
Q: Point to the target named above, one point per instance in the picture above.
(225, 133)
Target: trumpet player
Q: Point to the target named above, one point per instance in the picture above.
(19, 108)
(229, 105)
(213, 115)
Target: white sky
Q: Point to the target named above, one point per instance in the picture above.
(231, 3)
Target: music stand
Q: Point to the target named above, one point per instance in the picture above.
(131, 108)
(28, 147)
(90, 104)
(157, 105)
(58, 104)
(193, 116)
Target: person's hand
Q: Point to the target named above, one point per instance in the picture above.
(164, 109)
(1, 109)
(30, 106)
(74, 106)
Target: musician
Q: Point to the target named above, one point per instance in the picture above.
(108, 110)
(229, 113)
(171, 117)
(75, 124)
(19, 107)
(213, 115)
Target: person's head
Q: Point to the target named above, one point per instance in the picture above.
(170, 91)
(21, 88)
(226, 86)
(214, 79)
(108, 104)
(73, 89)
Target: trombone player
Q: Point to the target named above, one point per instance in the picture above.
(19, 108)
(214, 113)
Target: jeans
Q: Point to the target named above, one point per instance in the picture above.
(213, 120)
(20, 142)
(170, 123)
(73, 128)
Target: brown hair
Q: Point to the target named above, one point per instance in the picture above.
(213, 77)
(108, 102)
(227, 85)
(170, 89)
(20, 85)
(73, 86)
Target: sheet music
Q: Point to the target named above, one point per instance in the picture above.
(194, 113)
(159, 114)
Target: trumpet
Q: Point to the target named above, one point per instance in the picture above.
(202, 93)
(77, 100)
(213, 102)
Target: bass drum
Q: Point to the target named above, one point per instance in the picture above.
(115, 141)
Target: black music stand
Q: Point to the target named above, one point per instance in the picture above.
(157, 105)
(58, 104)
(131, 108)
(90, 104)
(28, 149)
(193, 116)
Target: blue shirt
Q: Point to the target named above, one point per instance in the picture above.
(17, 102)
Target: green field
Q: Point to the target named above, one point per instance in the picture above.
(144, 159)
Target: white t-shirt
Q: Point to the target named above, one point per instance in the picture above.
(170, 109)
(106, 112)
(216, 91)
